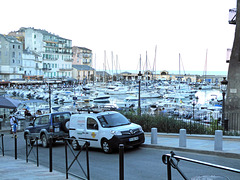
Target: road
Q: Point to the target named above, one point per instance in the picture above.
(141, 163)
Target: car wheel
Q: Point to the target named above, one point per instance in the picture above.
(105, 147)
(44, 140)
(75, 145)
(30, 141)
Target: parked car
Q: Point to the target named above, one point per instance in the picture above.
(53, 125)
(104, 130)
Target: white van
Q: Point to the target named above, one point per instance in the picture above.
(105, 130)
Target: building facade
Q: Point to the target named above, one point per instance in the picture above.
(83, 73)
(82, 56)
(10, 58)
(32, 63)
(56, 52)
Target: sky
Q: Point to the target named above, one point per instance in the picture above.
(125, 30)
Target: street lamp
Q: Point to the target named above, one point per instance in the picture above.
(223, 87)
(193, 103)
(139, 92)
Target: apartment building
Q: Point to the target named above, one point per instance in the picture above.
(56, 52)
(10, 58)
(32, 63)
(82, 56)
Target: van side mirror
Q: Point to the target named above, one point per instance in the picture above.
(31, 124)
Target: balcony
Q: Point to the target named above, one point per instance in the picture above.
(46, 69)
(68, 59)
(50, 59)
(65, 69)
(86, 62)
(38, 59)
(63, 52)
(8, 70)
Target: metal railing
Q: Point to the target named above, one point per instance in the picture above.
(171, 160)
(30, 142)
(2, 146)
(76, 155)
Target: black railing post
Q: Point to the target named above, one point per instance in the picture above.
(121, 162)
(37, 151)
(87, 158)
(50, 154)
(2, 145)
(169, 173)
(26, 138)
(15, 140)
(66, 159)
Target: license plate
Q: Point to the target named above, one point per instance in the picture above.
(133, 139)
(56, 129)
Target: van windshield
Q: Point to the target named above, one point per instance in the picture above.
(113, 120)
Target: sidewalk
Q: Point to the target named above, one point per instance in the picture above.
(11, 169)
(194, 143)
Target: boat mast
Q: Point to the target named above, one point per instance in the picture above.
(155, 64)
(104, 64)
(205, 67)
(179, 64)
(112, 67)
(146, 70)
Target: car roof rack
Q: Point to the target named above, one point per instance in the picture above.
(89, 110)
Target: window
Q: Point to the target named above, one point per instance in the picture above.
(92, 124)
(13, 54)
(18, 46)
(45, 120)
(19, 55)
(13, 46)
(35, 36)
(37, 121)
(13, 61)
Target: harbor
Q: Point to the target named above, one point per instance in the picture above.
(178, 99)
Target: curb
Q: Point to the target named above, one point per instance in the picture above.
(194, 136)
(216, 153)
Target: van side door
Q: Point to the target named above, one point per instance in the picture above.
(92, 132)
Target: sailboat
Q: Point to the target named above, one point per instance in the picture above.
(204, 85)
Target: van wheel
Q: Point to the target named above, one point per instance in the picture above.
(105, 147)
(44, 141)
(75, 145)
(136, 146)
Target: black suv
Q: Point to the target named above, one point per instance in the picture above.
(53, 125)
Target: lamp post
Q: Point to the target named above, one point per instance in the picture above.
(139, 92)
(49, 100)
(193, 103)
(224, 83)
